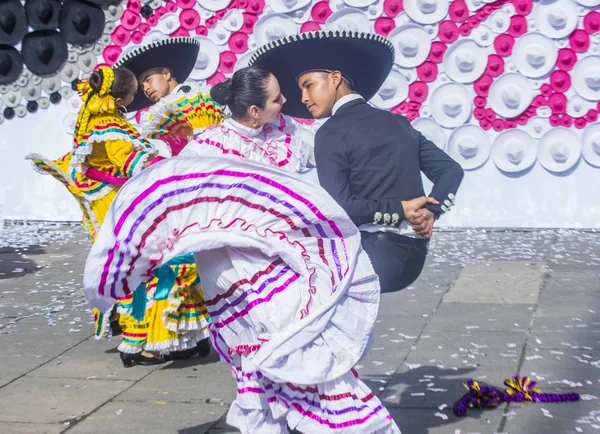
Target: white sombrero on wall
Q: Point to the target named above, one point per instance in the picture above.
(348, 19)
(586, 78)
(426, 11)
(556, 18)
(431, 130)
(514, 151)
(510, 95)
(591, 145)
(451, 105)
(392, 92)
(465, 61)
(535, 55)
(470, 146)
(271, 27)
(411, 43)
(559, 150)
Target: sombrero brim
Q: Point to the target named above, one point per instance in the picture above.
(365, 58)
(177, 54)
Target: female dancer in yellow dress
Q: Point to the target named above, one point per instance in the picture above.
(167, 316)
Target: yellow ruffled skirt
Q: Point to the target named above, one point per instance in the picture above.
(177, 322)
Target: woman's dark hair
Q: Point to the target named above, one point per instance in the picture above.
(246, 88)
(124, 85)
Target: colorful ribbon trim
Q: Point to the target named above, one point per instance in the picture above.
(519, 389)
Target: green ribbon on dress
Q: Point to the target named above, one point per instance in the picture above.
(167, 276)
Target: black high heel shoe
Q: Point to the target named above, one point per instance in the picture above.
(139, 359)
(203, 348)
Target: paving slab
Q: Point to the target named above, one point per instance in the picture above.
(55, 399)
(133, 417)
(92, 359)
(31, 342)
(192, 380)
(31, 428)
(564, 418)
(565, 368)
(435, 421)
(480, 317)
(503, 282)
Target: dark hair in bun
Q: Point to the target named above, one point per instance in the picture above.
(124, 85)
(246, 88)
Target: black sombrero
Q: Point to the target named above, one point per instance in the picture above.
(13, 22)
(11, 64)
(365, 59)
(44, 51)
(43, 14)
(81, 22)
(177, 54)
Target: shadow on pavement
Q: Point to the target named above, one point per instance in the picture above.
(14, 265)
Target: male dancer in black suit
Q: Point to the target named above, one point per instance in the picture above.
(368, 159)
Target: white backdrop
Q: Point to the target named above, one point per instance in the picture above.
(487, 197)
(505, 61)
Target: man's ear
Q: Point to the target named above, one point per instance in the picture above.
(336, 76)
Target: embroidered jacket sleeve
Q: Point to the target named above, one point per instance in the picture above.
(331, 152)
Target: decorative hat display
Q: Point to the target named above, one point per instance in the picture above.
(11, 64)
(537, 126)
(359, 3)
(510, 95)
(559, 150)
(207, 61)
(591, 145)
(43, 14)
(287, 6)
(214, 5)
(13, 22)
(349, 19)
(81, 22)
(483, 35)
(556, 18)
(364, 58)
(451, 105)
(465, 61)
(431, 130)
(178, 54)
(499, 22)
(535, 55)
(44, 51)
(577, 107)
(271, 27)
(514, 151)
(392, 92)
(586, 78)
(412, 44)
(426, 11)
(470, 146)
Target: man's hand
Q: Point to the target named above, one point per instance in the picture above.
(412, 206)
(421, 219)
(423, 224)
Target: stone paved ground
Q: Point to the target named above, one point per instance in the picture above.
(488, 305)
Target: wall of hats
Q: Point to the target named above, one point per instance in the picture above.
(509, 88)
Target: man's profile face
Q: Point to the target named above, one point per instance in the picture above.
(319, 92)
(155, 84)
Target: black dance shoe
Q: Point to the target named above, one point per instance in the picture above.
(139, 359)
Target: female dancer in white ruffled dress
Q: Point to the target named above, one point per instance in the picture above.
(291, 294)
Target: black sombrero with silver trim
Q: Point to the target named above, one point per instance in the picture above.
(365, 59)
(177, 54)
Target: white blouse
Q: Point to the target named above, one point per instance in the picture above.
(278, 144)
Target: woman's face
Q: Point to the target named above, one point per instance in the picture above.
(273, 105)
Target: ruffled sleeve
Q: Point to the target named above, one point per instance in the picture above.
(128, 161)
